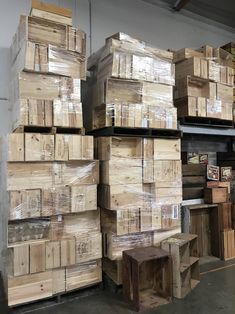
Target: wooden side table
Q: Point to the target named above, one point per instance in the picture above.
(147, 277)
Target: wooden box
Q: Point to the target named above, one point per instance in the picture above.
(195, 87)
(79, 223)
(147, 281)
(28, 288)
(39, 147)
(113, 245)
(41, 31)
(194, 67)
(51, 12)
(108, 148)
(121, 171)
(228, 245)
(83, 275)
(51, 174)
(215, 195)
(53, 254)
(124, 196)
(167, 173)
(49, 59)
(126, 65)
(88, 247)
(166, 149)
(186, 53)
(73, 147)
(83, 198)
(55, 201)
(120, 222)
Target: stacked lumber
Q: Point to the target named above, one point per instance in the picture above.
(130, 85)
(204, 83)
(139, 194)
(49, 179)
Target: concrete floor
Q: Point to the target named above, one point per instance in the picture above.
(215, 294)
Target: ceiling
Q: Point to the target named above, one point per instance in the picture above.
(222, 11)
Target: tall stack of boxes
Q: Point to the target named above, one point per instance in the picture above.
(231, 49)
(140, 187)
(49, 178)
(131, 85)
(204, 83)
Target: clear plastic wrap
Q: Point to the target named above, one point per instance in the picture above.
(133, 66)
(35, 203)
(46, 100)
(42, 175)
(204, 107)
(141, 184)
(41, 31)
(48, 147)
(49, 59)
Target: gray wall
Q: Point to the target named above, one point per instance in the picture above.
(157, 25)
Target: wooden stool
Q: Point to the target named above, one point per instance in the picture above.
(147, 277)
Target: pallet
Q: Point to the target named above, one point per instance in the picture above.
(49, 130)
(136, 132)
(59, 298)
(205, 121)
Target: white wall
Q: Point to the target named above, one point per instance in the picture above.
(157, 25)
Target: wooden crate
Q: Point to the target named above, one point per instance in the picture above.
(48, 147)
(167, 173)
(121, 171)
(51, 12)
(183, 249)
(42, 175)
(215, 195)
(28, 288)
(108, 148)
(228, 245)
(124, 196)
(113, 245)
(83, 275)
(88, 247)
(147, 277)
(195, 87)
(49, 59)
(194, 180)
(41, 31)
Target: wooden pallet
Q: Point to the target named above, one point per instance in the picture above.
(205, 121)
(136, 132)
(49, 130)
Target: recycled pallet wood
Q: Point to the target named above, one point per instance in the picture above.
(205, 121)
(136, 132)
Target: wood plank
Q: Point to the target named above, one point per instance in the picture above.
(67, 252)
(53, 254)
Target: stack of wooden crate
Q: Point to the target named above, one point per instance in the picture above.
(204, 83)
(131, 85)
(231, 49)
(49, 178)
(140, 187)
(139, 195)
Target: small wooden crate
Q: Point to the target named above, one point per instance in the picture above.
(147, 281)
(215, 195)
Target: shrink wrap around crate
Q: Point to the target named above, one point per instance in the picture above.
(131, 85)
(204, 83)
